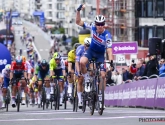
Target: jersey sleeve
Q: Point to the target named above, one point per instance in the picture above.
(51, 65)
(78, 52)
(108, 39)
(12, 66)
(88, 26)
(70, 56)
(36, 70)
(3, 73)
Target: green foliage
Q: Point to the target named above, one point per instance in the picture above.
(74, 40)
(62, 30)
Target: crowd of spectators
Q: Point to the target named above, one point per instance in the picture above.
(142, 69)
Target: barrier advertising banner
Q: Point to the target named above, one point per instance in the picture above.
(143, 93)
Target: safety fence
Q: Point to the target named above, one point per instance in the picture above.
(147, 92)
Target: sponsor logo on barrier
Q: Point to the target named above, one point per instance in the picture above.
(124, 48)
(151, 119)
(160, 91)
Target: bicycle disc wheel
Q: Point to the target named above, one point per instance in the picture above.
(101, 108)
(83, 102)
(58, 97)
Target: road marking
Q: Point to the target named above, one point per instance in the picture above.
(85, 118)
(41, 49)
(39, 56)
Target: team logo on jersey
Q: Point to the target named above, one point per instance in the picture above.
(97, 38)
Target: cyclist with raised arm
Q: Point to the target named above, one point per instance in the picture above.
(79, 53)
(57, 68)
(71, 67)
(101, 41)
(6, 79)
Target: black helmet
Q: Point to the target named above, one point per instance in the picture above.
(44, 62)
(75, 46)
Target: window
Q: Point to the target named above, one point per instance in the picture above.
(149, 8)
(50, 6)
(142, 37)
(60, 6)
(50, 14)
(60, 15)
(149, 32)
(159, 8)
(160, 32)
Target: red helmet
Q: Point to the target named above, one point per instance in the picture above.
(66, 62)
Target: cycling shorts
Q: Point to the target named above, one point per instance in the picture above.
(42, 76)
(99, 57)
(59, 73)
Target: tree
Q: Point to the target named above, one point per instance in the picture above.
(74, 40)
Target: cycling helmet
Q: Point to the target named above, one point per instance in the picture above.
(23, 58)
(75, 46)
(44, 62)
(56, 55)
(18, 59)
(87, 41)
(99, 19)
(7, 67)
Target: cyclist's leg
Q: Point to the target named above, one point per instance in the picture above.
(84, 61)
(4, 89)
(70, 78)
(39, 87)
(34, 86)
(61, 84)
(14, 87)
(47, 86)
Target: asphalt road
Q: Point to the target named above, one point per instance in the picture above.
(115, 116)
(36, 116)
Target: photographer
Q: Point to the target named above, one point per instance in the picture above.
(151, 66)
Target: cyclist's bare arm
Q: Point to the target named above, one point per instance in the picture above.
(78, 19)
(110, 55)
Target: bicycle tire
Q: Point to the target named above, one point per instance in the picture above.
(18, 101)
(58, 97)
(73, 99)
(43, 98)
(55, 96)
(65, 98)
(100, 110)
(93, 99)
(27, 100)
(76, 98)
(7, 101)
(84, 105)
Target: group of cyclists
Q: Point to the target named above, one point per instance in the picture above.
(75, 68)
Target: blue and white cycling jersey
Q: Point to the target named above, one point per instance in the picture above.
(79, 52)
(99, 41)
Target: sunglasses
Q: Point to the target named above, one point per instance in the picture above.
(100, 24)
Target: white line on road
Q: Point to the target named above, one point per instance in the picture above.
(39, 56)
(85, 118)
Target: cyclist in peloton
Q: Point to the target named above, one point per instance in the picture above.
(6, 79)
(57, 67)
(79, 53)
(42, 73)
(18, 70)
(101, 41)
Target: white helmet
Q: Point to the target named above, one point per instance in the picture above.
(7, 67)
(99, 19)
(87, 41)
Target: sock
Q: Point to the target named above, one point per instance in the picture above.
(79, 97)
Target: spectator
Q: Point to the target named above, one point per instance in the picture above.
(117, 78)
(162, 67)
(140, 69)
(109, 75)
(126, 74)
(151, 66)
